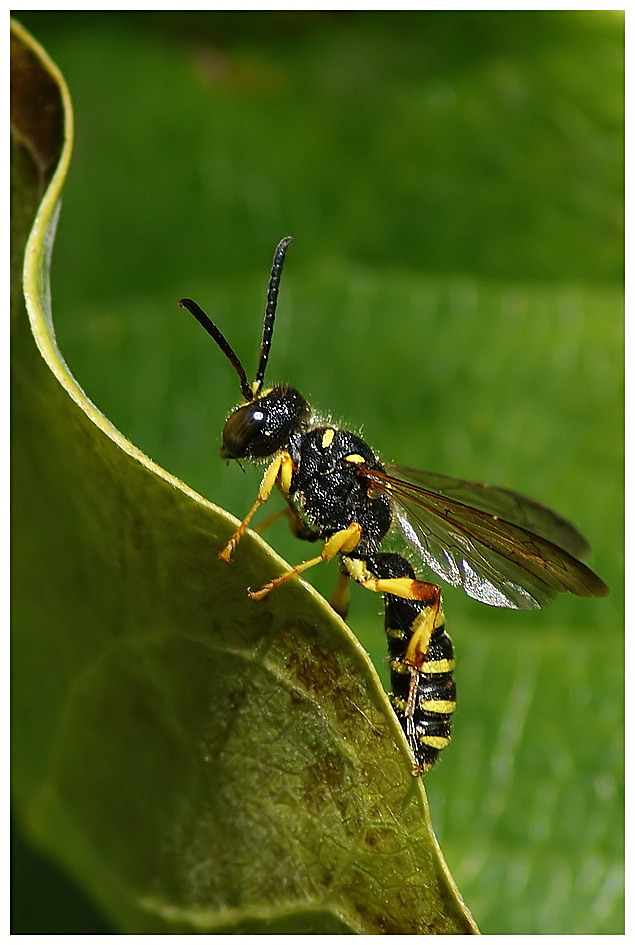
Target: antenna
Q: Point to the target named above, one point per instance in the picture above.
(250, 393)
(222, 343)
(270, 311)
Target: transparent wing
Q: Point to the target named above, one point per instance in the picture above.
(511, 506)
(500, 562)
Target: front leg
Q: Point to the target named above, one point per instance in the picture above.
(278, 473)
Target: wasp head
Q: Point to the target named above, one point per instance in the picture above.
(264, 425)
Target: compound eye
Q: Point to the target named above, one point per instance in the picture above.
(242, 426)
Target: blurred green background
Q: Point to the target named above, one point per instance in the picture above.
(454, 185)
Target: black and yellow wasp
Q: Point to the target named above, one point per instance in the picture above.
(500, 547)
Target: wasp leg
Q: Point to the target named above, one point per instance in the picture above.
(341, 596)
(429, 620)
(270, 520)
(298, 528)
(429, 595)
(421, 659)
(277, 474)
(342, 541)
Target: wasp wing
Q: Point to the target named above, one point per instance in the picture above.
(512, 506)
(496, 561)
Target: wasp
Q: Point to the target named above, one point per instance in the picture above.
(502, 548)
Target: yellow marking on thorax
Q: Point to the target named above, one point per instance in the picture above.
(327, 438)
(354, 458)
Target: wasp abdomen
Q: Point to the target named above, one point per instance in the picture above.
(423, 697)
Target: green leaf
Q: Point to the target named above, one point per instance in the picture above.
(198, 762)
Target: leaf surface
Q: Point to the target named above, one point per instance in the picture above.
(200, 763)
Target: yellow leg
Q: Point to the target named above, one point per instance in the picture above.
(340, 598)
(423, 627)
(408, 588)
(344, 540)
(278, 473)
(266, 523)
(429, 619)
(297, 526)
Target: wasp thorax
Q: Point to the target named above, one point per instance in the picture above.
(260, 428)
